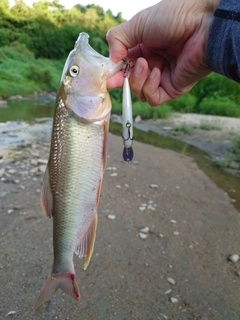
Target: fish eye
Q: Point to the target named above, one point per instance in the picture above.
(74, 71)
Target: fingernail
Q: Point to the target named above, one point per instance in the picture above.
(152, 74)
(138, 69)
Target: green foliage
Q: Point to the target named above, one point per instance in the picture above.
(183, 128)
(221, 106)
(210, 124)
(22, 74)
(49, 30)
(214, 95)
(231, 158)
(185, 103)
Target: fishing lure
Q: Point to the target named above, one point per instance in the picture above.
(127, 118)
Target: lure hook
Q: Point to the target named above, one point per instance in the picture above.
(126, 68)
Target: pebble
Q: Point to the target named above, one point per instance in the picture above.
(136, 162)
(42, 161)
(150, 207)
(138, 119)
(2, 171)
(3, 194)
(145, 230)
(174, 300)
(160, 235)
(153, 186)
(111, 168)
(164, 316)
(171, 281)
(12, 171)
(168, 128)
(176, 233)
(42, 168)
(233, 257)
(142, 208)
(238, 273)
(10, 211)
(33, 162)
(142, 235)
(168, 291)
(173, 221)
(111, 217)
(113, 174)
(34, 170)
(118, 186)
(10, 313)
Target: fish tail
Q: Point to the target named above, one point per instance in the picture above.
(65, 281)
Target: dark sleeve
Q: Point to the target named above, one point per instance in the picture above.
(223, 46)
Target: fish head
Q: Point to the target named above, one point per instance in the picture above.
(83, 84)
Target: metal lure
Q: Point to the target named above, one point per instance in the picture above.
(127, 118)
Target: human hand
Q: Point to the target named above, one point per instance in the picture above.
(168, 43)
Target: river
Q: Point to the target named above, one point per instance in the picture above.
(21, 120)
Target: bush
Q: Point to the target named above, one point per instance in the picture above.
(38, 74)
(184, 103)
(221, 106)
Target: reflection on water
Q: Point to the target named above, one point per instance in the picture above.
(27, 109)
(21, 120)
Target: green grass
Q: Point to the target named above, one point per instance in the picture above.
(231, 158)
(220, 106)
(22, 74)
(210, 124)
(183, 128)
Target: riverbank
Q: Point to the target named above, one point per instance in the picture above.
(164, 237)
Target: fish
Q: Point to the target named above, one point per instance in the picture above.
(71, 186)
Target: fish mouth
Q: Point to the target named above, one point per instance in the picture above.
(82, 43)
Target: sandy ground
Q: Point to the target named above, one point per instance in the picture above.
(193, 228)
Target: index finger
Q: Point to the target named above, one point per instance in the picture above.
(117, 48)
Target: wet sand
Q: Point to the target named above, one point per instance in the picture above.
(193, 228)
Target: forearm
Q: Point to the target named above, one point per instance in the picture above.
(223, 47)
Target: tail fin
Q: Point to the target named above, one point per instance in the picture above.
(64, 281)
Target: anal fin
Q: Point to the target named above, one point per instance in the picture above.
(85, 245)
(46, 194)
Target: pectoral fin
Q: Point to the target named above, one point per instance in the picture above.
(86, 244)
(46, 195)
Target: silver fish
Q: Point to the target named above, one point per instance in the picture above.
(73, 178)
